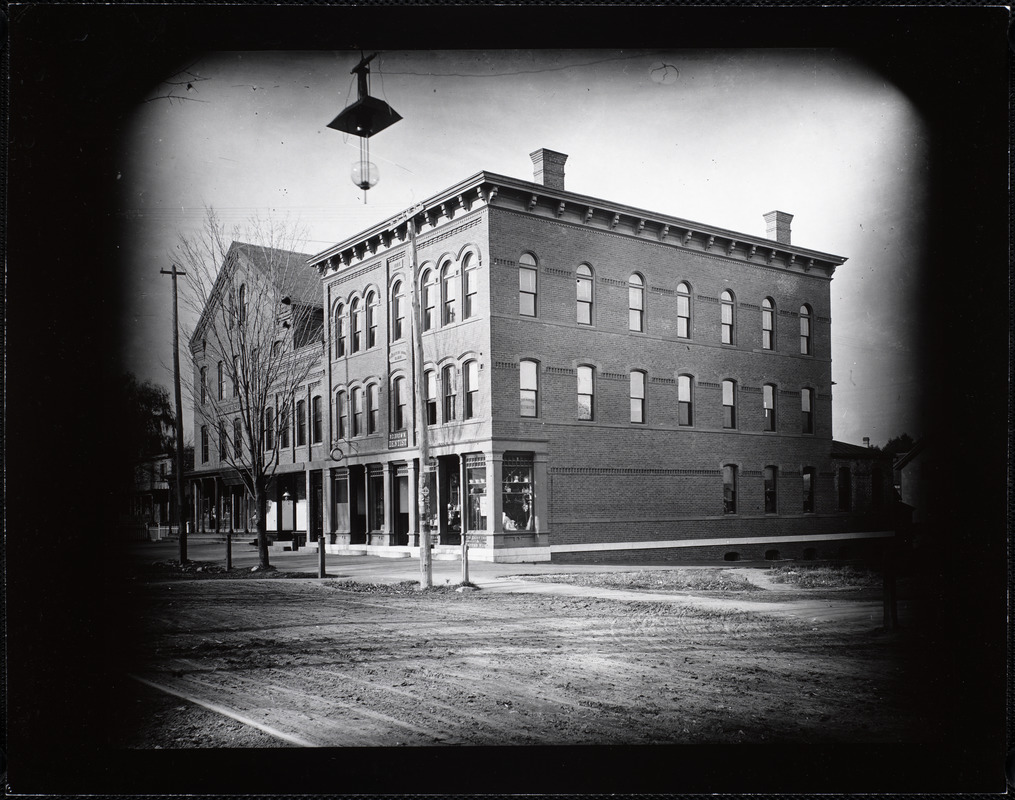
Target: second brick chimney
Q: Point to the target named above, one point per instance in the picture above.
(778, 226)
(548, 168)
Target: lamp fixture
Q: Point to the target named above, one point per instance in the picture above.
(364, 118)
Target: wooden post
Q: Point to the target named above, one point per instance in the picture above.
(179, 415)
(320, 557)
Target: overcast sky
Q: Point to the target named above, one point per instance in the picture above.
(718, 137)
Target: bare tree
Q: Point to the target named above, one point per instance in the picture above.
(258, 336)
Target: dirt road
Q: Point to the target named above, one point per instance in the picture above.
(306, 662)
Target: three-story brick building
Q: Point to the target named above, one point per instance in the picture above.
(599, 381)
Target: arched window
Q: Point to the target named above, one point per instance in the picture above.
(471, 376)
(729, 489)
(768, 406)
(805, 330)
(586, 392)
(449, 293)
(528, 385)
(767, 324)
(727, 320)
(807, 411)
(527, 285)
(398, 404)
(340, 416)
(356, 312)
(729, 404)
(357, 411)
(636, 302)
(683, 311)
(372, 408)
(585, 294)
(204, 444)
(339, 317)
(429, 284)
(471, 274)
(204, 385)
(236, 376)
(221, 380)
(397, 311)
(637, 396)
(685, 400)
(371, 303)
(809, 475)
(770, 477)
(301, 422)
(318, 417)
(448, 380)
(431, 397)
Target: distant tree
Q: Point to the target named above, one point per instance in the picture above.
(260, 321)
(899, 444)
(141, 414)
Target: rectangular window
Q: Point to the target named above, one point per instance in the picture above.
(204, 385)
(269, 428)
(771, 506)
(768, 403)
(478, 502)
(729, 489)
(430, 291)
(371, 409)
(807, 411)
(204, 444)
(398, 404)
(586, 394)
(283, 426)
(638, 397)
(340, 411)
(357, 412)
(471, 389)
(221, 381)
(529, 388)
(729, 404)
(527, 291)
(238, 438)
(450, 393)
(236, 376)
(808, 490)
(516, 495)
(318, 420)
(471, 290)
(683, 315)
(431, 398)
(301, 422)
(397, 314)
(223, 442)
(685, 409)
(845, 489)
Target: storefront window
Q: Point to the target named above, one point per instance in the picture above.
(478, 502)
(517, 494)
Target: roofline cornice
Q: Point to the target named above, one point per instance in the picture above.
(483, 188)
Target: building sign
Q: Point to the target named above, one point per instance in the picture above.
(398, 439)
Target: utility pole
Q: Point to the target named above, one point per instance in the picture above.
(422, 434)
(179, 417)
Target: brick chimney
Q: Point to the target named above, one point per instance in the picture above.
(778, 226)
(548, 168)
(866, 441)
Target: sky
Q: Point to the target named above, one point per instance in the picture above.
(718, 137)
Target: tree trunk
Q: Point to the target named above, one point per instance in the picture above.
(261, 504)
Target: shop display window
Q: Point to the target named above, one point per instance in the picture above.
(518, 514)
(477, 509)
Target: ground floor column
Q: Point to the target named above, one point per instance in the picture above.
(413, 502)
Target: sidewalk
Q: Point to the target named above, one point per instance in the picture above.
(510, 578)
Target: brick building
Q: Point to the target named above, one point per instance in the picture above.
(600, 381)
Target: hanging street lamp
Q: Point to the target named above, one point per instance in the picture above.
(364, 118)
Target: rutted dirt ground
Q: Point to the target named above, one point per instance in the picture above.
(294, 662)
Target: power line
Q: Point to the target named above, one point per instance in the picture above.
(524, 71)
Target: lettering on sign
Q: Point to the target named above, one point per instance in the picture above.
(398, 439)
(397, 355)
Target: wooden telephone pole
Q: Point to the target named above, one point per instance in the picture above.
(180, 516)
(422, 434)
